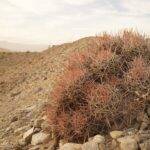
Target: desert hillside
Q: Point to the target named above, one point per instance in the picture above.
(26, 80)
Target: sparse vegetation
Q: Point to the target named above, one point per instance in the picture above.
(103, 88)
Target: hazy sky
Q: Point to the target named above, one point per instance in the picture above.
(56, 21)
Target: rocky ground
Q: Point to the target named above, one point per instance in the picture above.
(26, 80)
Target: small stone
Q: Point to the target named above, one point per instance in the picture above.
(127, 143)
(145, 145)
(45, 118)
(98, 139)
(71, 146)
(116, 134)
(28, 135)
(40, 138)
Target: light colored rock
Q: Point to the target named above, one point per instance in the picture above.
(40, 138)
(145, 145)
(127, 143)
(71, 146)
(45, 118)
(116, 134)
(28, 135)
(98, 139)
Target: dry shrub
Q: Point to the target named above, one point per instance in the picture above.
(138, 72)
(98, 90)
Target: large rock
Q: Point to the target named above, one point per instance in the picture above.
(145, 145)
(116, 134)
(127, 143)
(28, 135)
(71, 146)
(40, 138)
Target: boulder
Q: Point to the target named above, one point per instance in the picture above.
(71, 146)
(127, 143)
(40, 138)
(116, 134)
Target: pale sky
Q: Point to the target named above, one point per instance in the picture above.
(57, 21)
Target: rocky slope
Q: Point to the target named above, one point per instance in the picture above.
(26, 80)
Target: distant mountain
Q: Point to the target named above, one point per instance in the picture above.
(22, 47)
